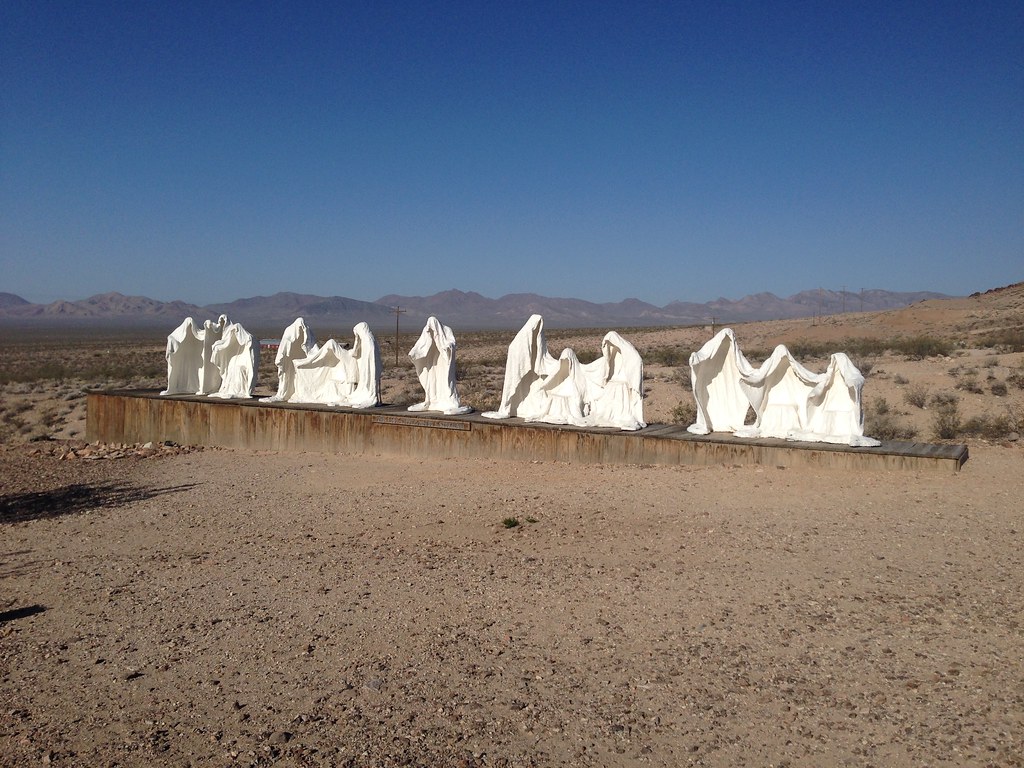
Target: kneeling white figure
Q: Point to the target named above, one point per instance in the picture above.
(339, 374)
(561, 399)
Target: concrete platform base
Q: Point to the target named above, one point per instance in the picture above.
(137, 416)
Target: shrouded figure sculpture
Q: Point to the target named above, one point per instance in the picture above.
(615, 385)
(527, 367)
(835, 412)
(433, 354)
(607, 392)
(236, 355)
(326, 377)
(337, 375)
(778, 393)
(788, 400)
(184, 355)
(561, 397)
(297, 343)
(715, 372)
(209, 374)
(366, 354)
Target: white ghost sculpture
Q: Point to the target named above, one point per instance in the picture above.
(715, 373)
(339, 376)
(297, 343)
(236, 356)
(184, 355)
(366, 353)
(527, 367)
(561, 398)
(835, 411)
(209, 374)
(778, 392)
(615, 386)
(326, 377)
(607, 392)
(433, 354)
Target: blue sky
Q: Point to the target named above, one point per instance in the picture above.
(215, 150)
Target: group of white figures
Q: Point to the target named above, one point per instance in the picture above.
(788, 401)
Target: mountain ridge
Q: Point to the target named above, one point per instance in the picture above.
(465, 309)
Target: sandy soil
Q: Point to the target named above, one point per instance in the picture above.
(221, 607)
(170, 606)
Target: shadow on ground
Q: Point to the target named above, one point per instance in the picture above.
(20, 613)
(74, 499)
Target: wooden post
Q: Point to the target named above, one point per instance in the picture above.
(398, 312)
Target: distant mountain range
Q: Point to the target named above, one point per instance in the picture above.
(458, 309)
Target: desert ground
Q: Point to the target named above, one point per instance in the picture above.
(169, 605)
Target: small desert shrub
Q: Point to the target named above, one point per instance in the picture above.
(940, 399)
(49, 417)
(998, 389)
(881, 406)
(901, 380)
(947, 421)
(920, 347)
(992, 362)
(916, 396)
(803, 349)
(887, 427)
(510, 522)
(667, 356)
(865, 366)
(970, 384)
(987, 427)
(682, 377)
(684, 413)
(1004, 340)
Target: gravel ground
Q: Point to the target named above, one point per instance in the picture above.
(169, 607)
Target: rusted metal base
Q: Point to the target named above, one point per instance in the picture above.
(139, 416)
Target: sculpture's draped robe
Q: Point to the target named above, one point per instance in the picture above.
(327, 377)
(209, 373)
(527, 367)
(607, 392)
(297, 343)
(433, 355)
(184, 354)
(778, 393)
(835, 412)
(236, 355)
(615, 386)
(715, 372)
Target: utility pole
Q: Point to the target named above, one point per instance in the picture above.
(712, 325)
(398, 313)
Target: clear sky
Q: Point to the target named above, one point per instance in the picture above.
(215, 150)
